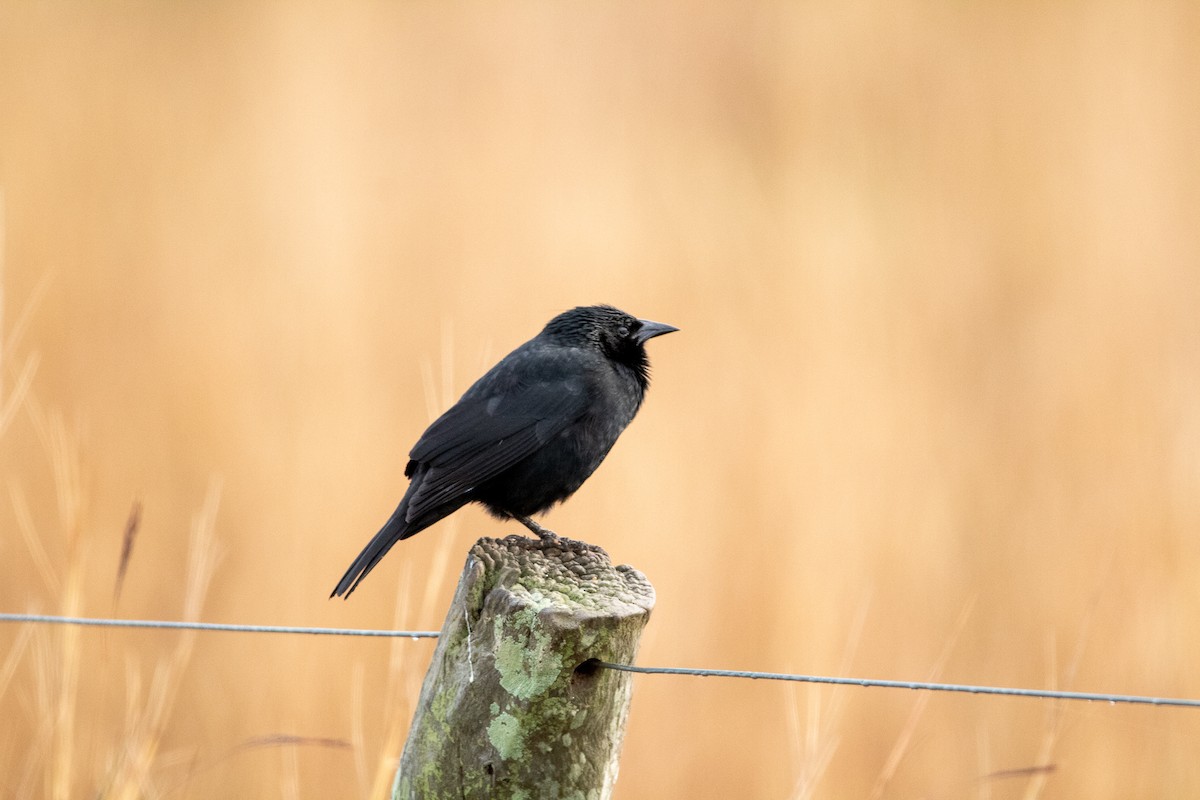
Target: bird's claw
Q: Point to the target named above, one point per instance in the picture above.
(545, 534)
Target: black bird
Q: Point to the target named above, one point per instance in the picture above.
(528, 433)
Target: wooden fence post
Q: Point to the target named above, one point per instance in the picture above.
(512, 705)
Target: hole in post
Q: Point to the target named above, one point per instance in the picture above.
(586, 669)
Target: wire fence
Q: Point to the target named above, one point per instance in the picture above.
(1049, 694)
(211, 626)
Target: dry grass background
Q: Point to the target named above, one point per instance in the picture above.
(934, 412)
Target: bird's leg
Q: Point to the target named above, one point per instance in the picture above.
(545, 534)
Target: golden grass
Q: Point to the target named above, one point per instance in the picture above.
(935, 268)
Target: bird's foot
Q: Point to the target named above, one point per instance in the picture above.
(545, 534)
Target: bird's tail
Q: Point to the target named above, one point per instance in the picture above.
(395, 529)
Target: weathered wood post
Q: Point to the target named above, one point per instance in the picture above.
(512, 705)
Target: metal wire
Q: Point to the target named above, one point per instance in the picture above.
(886, 684)
(1048, 694)
(211, 626)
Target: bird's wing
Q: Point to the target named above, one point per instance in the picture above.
(487, 432)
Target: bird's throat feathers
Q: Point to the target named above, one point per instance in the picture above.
(640, 364)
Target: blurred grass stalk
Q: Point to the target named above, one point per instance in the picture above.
(146, 726)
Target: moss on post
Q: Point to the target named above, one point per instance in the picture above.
(512, 706)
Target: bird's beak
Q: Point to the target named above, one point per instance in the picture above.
(651, 329)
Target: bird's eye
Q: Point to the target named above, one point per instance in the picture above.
(623, 331)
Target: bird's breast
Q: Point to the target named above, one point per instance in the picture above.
(566, 459)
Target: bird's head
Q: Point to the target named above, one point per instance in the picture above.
(620, 336)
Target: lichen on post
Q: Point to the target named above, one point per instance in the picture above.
(513, 705)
